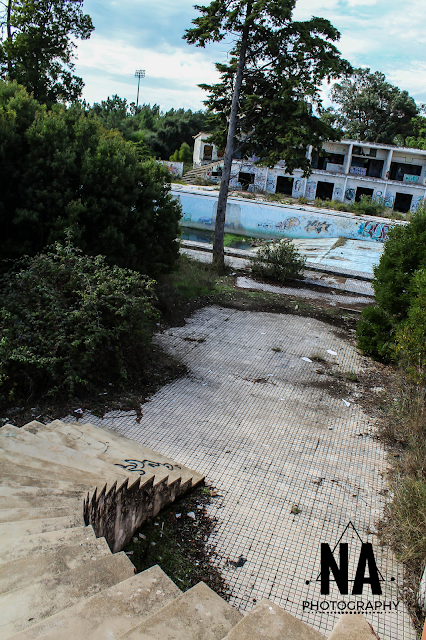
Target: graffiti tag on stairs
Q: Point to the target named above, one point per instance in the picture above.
(138, 466)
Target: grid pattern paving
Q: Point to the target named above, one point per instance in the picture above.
(254, 418)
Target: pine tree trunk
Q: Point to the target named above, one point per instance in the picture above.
(9, 35)
(219, 232)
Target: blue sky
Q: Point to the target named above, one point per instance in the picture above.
(385, 35)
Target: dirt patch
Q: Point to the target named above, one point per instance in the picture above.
(177, 540)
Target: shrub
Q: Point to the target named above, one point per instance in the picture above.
(61, 169)
(394, 287)
(278, 261)
(411, 335)
(70, 323)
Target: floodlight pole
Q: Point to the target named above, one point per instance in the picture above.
(140, 73)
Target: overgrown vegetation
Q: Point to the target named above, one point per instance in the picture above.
(62, 170)
(366, 206)
(278, 261)
(70, 323)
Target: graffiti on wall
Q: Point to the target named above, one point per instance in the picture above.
(375, 230)
(337, 193)
(311, 187)
(320, 226)
(266, 224)
(175, 168)
(389, 201)
(415, 204)
(298, 187)
(287, 224)
(259, 180)
(350, 195)
(271, 183)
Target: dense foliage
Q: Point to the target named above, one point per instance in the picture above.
(70, 323)
(62, 170)
(284, 66)
(397, 286)
(278, 261)
(371, 109)
(156, 133)
(37, 46)
(418, 138)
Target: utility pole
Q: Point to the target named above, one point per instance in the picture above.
(140, 73)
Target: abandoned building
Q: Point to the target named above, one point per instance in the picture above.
(347, 170)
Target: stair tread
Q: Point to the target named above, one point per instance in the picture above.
(34, 497)
(22, 528)
(268, 621)
(198, 614)
(17, 573)
(75, 438)
(21, 608)
(33, 513)
(13, 548)
(18, 440)
(132, 449)
(110, 613)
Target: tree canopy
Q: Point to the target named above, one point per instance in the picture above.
(37, 50)
(369, 108)
(270, 88)
(156, 133)
(61, 169)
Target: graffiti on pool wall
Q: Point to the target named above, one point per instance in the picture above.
(266, 224)
(350, 195)
(206, 221)
(375, 230)
(317, 225)
(288, 224)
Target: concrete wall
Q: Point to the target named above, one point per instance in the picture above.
(270, 220)
(175, 168)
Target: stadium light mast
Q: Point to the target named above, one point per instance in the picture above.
(140, 73)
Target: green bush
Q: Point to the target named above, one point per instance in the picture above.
(184, 154)
(61, 169)
(70, 324)
(278, 261)
(394, 287)
(411, 335)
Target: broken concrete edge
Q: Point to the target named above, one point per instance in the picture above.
(353, 627)
(115, 514)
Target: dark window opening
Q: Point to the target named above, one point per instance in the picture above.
(402, 202)
(373, 168)
(219, 153)
(284, 185)
(398, 170)
(335, 158)
(245, 179)
(318, 162)
(217, 174)
(324, 190)
(360, 151)
(361, 191)
(207, 153)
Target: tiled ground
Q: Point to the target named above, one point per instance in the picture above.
(269, 433)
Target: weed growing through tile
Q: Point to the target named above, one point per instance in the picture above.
(177, 540)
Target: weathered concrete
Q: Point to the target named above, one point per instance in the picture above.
(18, 573)
(353, 627)
(13, 548)
(22, 607)
(270, 622)
(109, 614)
(198, 614)
(34, 527)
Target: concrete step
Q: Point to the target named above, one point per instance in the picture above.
(22, 528)
(13, 548)
(24, 607)
(198, 614)
(34, 497)
(100, 448)
(33, 471)
(352, 627)
(18, 573)
(116, 445)
(109, 614)
(29, 513)
(19, 441)
(269, 622)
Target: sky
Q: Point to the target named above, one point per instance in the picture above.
(384, 35)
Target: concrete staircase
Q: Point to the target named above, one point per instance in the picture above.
(71, 496)
(190, 177)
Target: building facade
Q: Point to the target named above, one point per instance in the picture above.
(347, 170)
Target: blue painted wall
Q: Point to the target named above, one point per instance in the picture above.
(269, 220)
